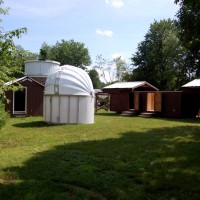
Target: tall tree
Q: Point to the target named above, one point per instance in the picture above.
(160, 58)
(21, 55)
(95, 78)
(107, 72)
(113, 70)
(7, 57)
(120, 66)
(67, 52)
(189, 23)
(8, 52)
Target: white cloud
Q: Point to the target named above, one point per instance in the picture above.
(107, 33)
(115, 3)
(117, 55)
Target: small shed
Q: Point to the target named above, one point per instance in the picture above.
(123, 95)
(27, 101)
(164, 103)
(69, 97)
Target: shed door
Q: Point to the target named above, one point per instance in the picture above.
(158, 101)
(19, 101)
(136, 100)
(131, 101)
(150, 101)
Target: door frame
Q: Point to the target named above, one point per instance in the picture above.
(25, 106)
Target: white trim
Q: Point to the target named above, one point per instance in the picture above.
(25, 78)
(20, 112)
(42, 61)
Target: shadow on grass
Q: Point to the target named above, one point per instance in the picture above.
(158, 164)
(183, 120)
(34, 124)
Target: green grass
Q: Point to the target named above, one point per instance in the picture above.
(116, 158)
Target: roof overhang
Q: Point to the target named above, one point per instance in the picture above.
(22, 79)
(129, 86)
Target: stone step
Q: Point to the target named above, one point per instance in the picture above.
(147, 114)
(129, 113)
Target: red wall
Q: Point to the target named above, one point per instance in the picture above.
(34, 99)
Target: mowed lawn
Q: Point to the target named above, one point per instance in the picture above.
(116, 158)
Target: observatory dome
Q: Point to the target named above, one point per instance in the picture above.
(69, 97)
(69, 80)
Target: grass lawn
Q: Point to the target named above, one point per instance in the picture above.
(116, 158)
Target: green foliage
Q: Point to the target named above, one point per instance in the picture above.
(129, 158)
(94, 76)
(67, 52)
(160, 58)
(21, 55)
(43, 54)
(9, 55)
(3, 114)
(189, 23)
(11, 62)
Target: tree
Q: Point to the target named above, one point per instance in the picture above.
(189, 23)
(67, 52)
(21, 55)
(43, 54)
(46, 52)
(8, 66)
(95, 78)
(160, 58)
(112, 70)
(107, 72)
(8, 52)
(120, 65)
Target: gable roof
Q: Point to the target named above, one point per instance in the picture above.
(129, 85)
(192, 84)
(22, 79)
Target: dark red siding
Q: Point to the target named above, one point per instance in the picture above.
(34, 98)
(175, 104)
(40, 80)
(123, 99)
(171, 104)
(190, 104)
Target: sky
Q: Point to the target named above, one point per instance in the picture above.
(110, 28)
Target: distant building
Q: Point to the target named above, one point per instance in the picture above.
(123, 98)
(141, 98)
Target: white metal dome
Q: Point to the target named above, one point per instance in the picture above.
(69, 97)
(69, 80)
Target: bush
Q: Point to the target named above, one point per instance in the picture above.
(3, 114)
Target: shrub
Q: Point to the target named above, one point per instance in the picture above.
(3, 114)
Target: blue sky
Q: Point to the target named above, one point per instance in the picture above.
(107, 27)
